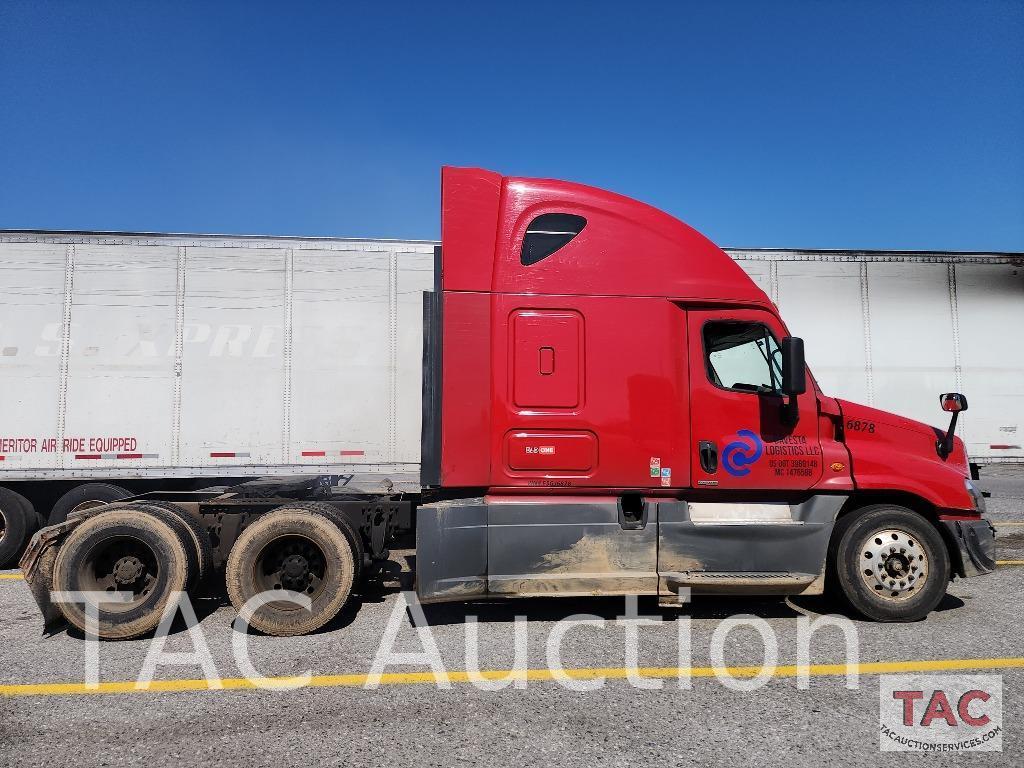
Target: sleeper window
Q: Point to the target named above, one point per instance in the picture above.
(547, 233)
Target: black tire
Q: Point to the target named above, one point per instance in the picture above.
(107, 550)
(198, 535)
(354, 539)
(184, 529)
(18, 522)
(889, 563)
(199, 549)
(300, 547)
(83, 497)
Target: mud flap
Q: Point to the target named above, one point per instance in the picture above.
(37, 566)
(41, 553)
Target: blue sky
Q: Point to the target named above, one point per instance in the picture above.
(787, 124)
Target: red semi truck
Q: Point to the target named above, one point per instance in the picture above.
(610, 406)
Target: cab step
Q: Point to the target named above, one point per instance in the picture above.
(732, 583)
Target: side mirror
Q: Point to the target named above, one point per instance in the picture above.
(951, 402)
(794, 373)
(794, 377)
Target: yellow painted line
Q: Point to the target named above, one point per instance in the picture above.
(1009, 562)
(12, 576)
(421, 678)
(1007, 523)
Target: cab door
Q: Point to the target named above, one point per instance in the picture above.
(744, 435)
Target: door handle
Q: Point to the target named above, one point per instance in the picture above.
(547, 361)
(708, 456)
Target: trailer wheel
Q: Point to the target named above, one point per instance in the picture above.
(134, 552)
(299, 548)
(83, 497)
(889, 563)
(17, 523)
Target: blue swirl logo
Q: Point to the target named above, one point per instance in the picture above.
(740, 454)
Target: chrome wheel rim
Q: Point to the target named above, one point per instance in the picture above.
(893, 564)
(3, 525)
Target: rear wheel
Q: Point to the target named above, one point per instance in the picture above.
(183, 527)
(890, 564)
(134, 554)
(299, 549)
(17, 523)
(197, 534)
(83, 497)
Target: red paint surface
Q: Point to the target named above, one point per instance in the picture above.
(551, 451)
(547, 355)
(900, 454)
(466, 398)
(602, 338)
(790, 454)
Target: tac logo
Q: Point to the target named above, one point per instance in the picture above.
(740, 454)
(941, 713)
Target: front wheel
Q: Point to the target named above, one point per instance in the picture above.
(889, 563)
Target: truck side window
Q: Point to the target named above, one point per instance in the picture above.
(742, 356)
(547, 233)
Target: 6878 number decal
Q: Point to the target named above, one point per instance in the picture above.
(860, 425)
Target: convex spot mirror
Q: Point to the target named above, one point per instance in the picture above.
(953, 402)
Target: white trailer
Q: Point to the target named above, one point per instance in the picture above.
(138, 358)
(892, 329)
(145, 356)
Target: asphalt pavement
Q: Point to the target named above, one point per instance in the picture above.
(409, 719)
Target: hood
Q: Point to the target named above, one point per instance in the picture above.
(889, 452)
